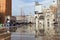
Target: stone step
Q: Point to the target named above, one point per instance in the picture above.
(3, 30)
(4, 35)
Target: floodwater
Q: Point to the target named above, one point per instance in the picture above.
(19, 36)
(24, 32)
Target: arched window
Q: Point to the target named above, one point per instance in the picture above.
(41, 17)
(35, 16)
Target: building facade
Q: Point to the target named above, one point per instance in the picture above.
(5, 8)
(39, 16)
(50, 17)
(49, 20)
(21, 19)
(58, 16)
(45, 19)
(30, 18)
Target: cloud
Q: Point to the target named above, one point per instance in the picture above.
(16, 7)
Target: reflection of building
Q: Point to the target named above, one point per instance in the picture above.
(5, 8)
(39, 16)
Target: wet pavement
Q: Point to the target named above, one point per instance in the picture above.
(25, 32)
(22, 36)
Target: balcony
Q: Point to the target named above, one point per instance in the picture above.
(36, 12)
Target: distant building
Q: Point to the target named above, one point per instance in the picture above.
(30, 18)
(20, 19)
(5, 8)
(26, 19)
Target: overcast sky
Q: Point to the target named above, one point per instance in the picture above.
(27, 6)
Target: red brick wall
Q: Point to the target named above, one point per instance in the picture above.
(5, 8)
(8, 7)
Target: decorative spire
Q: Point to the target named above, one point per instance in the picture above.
(22, 13)
(36, 2)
